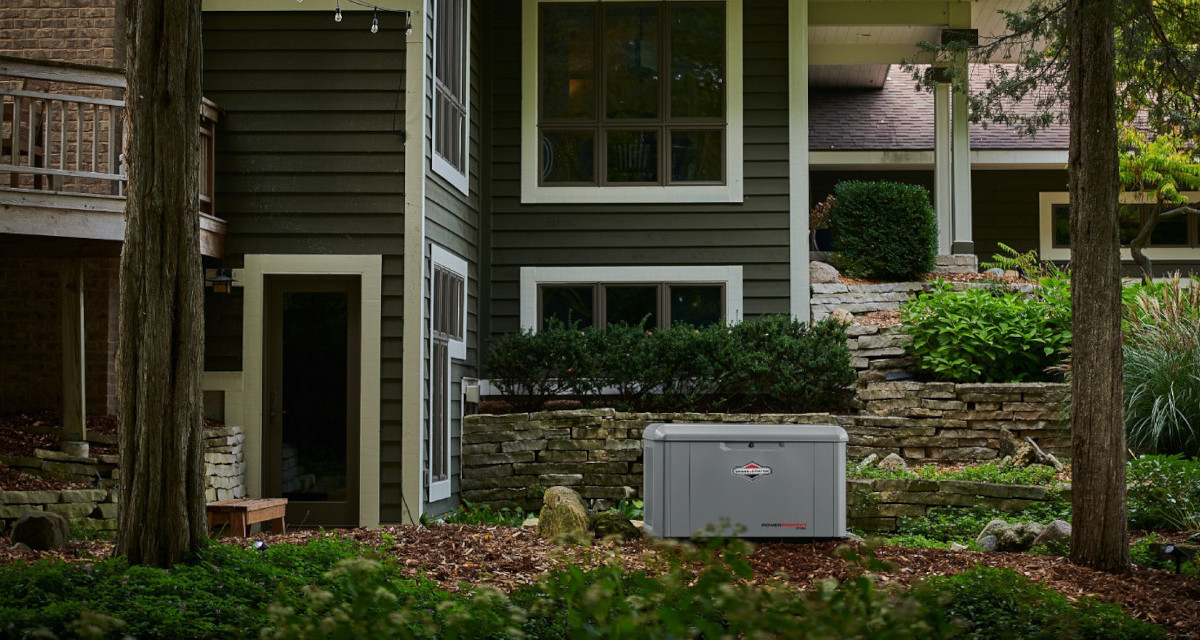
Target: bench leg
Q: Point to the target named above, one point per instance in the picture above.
(237, 524)
(277, 525)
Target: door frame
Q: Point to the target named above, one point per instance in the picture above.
(369, 269)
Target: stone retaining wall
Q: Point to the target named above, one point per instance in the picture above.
(224, 469)
(508, 459)
(879, 504)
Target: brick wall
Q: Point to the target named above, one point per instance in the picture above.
(69, 30)
(31, 333)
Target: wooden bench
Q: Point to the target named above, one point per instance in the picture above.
(239, 514)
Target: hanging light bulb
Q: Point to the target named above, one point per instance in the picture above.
(337, 13)
(375, 22)
(408, 28)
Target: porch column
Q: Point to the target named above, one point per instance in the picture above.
(942, 168)
(964, 240)
(73, 408)
(798, 183)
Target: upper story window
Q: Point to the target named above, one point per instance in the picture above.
(632, 102)
(451, 117)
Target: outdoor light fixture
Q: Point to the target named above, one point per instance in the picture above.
(222, 281)
(375, 9)
(375, 22)
(337, 13)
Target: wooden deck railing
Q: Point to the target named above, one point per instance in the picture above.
(62, 131)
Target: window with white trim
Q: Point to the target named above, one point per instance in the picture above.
(657, 296)
(451, 84)
(1176, 238)
(632, 101)
(447, 342)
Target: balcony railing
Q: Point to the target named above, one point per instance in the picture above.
(61, 134)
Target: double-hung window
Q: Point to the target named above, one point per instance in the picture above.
(1176, 238)
(451, 84)
(632, 102)
(448, 320)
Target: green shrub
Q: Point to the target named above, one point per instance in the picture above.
(963, 524)
(989, 334)
(468, 513)
(1162, 367)
(883, 230)
(1164, 493)
(772, 363)
(1002, 604)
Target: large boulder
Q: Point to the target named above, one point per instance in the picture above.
(822, 273)
(41, 530)
(563, 514)
(893, 462)
(610, 524)
(999, 535)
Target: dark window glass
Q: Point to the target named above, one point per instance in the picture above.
(568, 156)
(697, 62)
(633, 156)
(568, 74)
(631, 305)
(696, 305)
(1129, 222)
(1170, 232)
(568, 304)
(631, 61)
(1061, 216)
(696, 156)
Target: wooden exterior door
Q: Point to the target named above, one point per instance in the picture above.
(311, 417)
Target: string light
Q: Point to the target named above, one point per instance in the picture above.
(408, 28)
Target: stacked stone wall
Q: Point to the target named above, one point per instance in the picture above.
(224, 469)
(507, 460)
(880, 504)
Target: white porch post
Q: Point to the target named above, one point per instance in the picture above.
(942, 168)
(798, 185)
(964, 240)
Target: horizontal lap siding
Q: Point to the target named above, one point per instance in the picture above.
(310, 160)
(452, 222)
(752, 234)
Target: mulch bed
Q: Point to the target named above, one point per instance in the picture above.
(460, 557)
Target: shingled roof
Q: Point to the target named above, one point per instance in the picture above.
(897, 117)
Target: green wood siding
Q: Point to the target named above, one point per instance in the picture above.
(752, 233)
(310, 160)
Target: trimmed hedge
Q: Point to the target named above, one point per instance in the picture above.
(770, 364)
(883, 230)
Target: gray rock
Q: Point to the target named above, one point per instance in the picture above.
(853, 537)
(893, 461)
(563, 514)
(610, 523)
(842, 316)
(866, 462)
(41, 530)
(954, 546)
(1008, 444)
(1056, 530)
(999, 535)
(1028, 454)
(995, 271)
(822, 273)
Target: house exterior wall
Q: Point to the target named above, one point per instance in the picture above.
(453, 222)
(752, 233)
(310, 160)
(80, 31)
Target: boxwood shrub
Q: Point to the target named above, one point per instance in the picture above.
(772, 363)
(883, 230)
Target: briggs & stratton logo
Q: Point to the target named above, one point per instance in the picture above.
(751, 471)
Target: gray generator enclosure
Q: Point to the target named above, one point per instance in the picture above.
(773, 480)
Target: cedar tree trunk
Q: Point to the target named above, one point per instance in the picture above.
(161, 516)
(1098, 537)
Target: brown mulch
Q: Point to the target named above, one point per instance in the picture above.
(460, 557)
(880, 319)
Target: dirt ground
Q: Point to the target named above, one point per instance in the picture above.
(460, 556)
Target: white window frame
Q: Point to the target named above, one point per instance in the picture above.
(531, 277)
(439, 257)
(459, 179)
(1048, 199)
(532, 192)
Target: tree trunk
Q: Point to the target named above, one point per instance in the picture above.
(1099, 537)
(161, 515)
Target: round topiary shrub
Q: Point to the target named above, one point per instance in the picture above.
(883, 230)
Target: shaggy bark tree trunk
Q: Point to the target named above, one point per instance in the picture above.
(161, 515)
(1098, 538)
